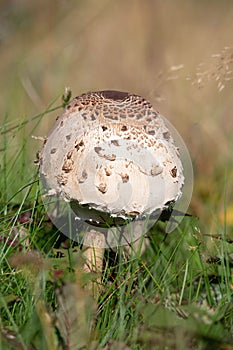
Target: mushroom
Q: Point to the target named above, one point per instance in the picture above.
(112, 159)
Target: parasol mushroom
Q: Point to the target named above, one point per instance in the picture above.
(111, 157)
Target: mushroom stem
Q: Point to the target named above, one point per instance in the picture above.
(93, 253)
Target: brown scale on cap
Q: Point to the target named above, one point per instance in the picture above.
(111, 105)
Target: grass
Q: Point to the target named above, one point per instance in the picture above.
(177, 295)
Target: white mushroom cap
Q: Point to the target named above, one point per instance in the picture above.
(112, 152)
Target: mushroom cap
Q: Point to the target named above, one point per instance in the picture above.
(111, 153)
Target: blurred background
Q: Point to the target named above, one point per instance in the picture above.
(178, 54)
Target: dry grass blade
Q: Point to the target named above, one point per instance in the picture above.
(75, 316)
(47, 325)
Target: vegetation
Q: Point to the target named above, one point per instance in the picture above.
(178, 293)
